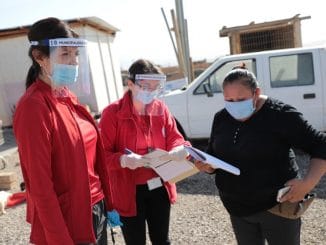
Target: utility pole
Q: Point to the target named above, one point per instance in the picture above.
(181, 33)
(181, 48)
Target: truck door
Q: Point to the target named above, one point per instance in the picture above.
(206, 98)
(294, 78)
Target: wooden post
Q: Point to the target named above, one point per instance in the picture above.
(179, 45)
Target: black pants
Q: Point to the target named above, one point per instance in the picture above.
(265, 226)
(154, 207)
(100, 223)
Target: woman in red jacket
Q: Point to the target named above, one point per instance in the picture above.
(139, 122)
(60, 149)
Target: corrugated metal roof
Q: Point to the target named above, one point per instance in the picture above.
(93, 21)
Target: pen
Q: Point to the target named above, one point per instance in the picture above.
(195, 153)
(127, 151)
(200, 155)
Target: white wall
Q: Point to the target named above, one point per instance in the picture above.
(106, 79)
(116, 67)
(14, 64)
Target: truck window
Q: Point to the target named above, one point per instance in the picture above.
(215, 79)
(291, 70)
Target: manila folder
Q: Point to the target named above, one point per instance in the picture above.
(171, 171)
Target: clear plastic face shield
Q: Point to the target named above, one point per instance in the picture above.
(69, 67)
(148, 94)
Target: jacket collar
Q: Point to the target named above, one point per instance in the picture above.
(46, 88)
(126, 106)
(39, 84)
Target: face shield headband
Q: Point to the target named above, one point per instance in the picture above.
(151, 82)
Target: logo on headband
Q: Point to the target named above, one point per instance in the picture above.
(159, 77)
(71, 42)
(74, 42)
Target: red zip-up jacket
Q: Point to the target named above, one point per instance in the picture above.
(54, 167)
(119, 131)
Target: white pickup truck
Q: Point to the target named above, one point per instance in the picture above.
(296, 76)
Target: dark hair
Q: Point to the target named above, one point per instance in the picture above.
(242, 75)
(143, 66)
(48, 28)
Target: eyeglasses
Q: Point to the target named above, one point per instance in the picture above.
(150, 82)
(149, 85)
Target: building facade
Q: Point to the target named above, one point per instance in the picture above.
(105, 74)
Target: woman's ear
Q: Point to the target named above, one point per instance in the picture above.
(39, 57)
(130, 84)
(258, 92)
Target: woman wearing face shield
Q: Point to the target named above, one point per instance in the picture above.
(138, 123)
(60, 149)
(257, 133)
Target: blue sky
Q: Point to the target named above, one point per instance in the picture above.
(143, 32)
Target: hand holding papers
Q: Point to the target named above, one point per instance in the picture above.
(168, 170)
(132, 160)
(212, 161)
(178, 153)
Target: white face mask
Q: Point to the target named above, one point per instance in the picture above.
(146, 97)
(240, 109)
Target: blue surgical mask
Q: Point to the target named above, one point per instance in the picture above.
(240, 109)
(64, 74)
(146, 97)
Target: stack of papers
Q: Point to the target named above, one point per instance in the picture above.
(174, 171)
(170, 171)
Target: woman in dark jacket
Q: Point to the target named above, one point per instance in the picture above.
(256, 134)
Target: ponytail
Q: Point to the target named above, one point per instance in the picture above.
(32, 74)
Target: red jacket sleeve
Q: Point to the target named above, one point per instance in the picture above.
(32, 127)
(108, 128)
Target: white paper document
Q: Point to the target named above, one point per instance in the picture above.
(212, 161)
(171, 171)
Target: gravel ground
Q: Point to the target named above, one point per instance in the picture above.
(198, 217)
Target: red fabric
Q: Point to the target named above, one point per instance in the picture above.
(119, 131)
(54, 167)
(142, 175)
(16, 198)
(89, 136)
